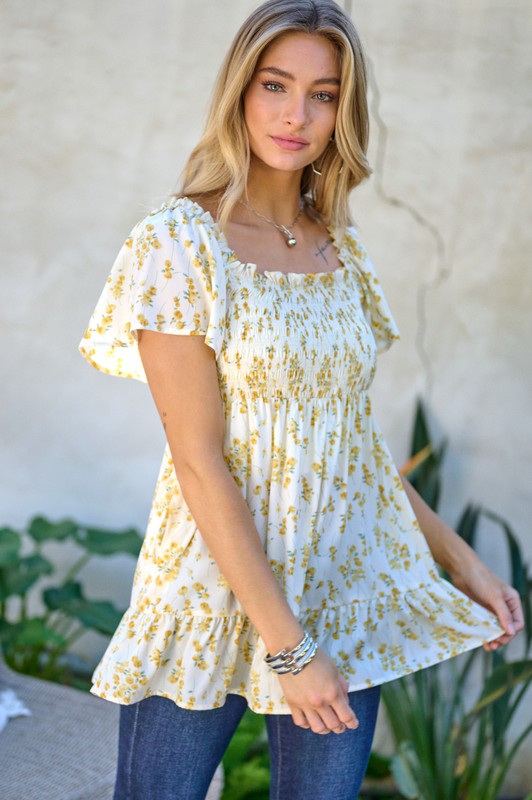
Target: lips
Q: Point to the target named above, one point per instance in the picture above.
(289, 143)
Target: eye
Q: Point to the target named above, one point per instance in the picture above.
(272, 86)
(324, 97)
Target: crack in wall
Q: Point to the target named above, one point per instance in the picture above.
(443, 270)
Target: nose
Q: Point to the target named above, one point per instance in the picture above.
(296, 112)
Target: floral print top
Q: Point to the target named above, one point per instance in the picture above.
(296, 354)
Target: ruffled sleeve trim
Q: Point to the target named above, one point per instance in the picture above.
(169, 276)
(376, 308)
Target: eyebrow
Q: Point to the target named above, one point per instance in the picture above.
(282, 74)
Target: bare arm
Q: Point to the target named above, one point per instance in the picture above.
(182, 376)
(467, 571)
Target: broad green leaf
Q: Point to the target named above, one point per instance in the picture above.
(502, 680)
(42, 530)
(31, 633)
(18, 579)
(106, 543)
(100, 616)
(97, 615)
(9, 547)
(57, 596)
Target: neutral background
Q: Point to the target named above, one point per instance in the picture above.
(103, 103)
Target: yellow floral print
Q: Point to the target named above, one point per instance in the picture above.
(296, 355)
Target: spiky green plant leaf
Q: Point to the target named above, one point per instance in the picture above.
(405, 770)
(468, 523)
(502, 680)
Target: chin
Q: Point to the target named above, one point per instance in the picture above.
(281, 165)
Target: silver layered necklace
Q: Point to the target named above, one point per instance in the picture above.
(291, 240)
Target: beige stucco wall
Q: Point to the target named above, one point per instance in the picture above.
(104, 101)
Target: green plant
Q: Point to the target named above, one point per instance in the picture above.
(449, 748)
(246, 762)
(39, 643)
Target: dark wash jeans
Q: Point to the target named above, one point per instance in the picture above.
(171, 753)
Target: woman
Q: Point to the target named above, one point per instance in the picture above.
(286, 566)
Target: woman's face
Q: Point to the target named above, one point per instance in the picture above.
(291, 103)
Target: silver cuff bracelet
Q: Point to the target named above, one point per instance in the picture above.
(293, 660)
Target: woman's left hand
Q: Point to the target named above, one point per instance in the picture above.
(467, 571)
(479, 583)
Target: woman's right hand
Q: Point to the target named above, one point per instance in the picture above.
(318, 697)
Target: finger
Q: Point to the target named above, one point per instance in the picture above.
(496, 643)
(516, 609)
(509, 611)
(330, 718)
(345, 713)
(341, 729)
(490, 646)
(504, 616)
(299, 718)
(316, 723)
(504, 639)
(335, 709)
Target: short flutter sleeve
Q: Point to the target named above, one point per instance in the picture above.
(169, 277)
(376, 309)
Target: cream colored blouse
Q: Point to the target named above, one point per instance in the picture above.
(296, 354)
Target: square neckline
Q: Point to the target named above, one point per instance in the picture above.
(276, 275)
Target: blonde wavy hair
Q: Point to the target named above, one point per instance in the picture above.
(218, 166)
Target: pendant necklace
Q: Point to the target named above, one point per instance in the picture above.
(291, 240)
